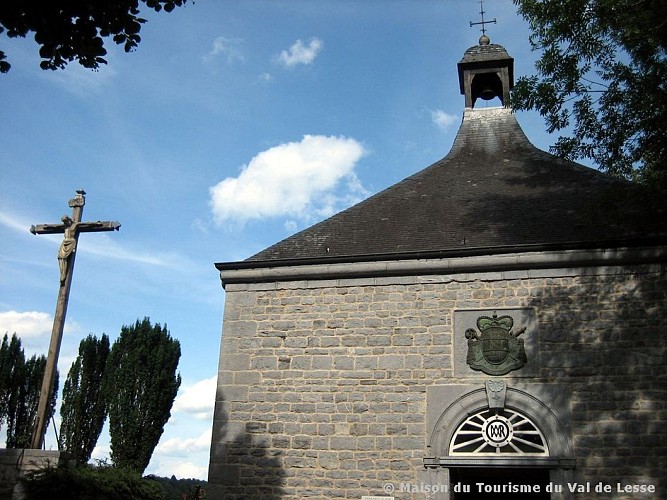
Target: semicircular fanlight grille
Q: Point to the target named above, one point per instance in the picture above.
(491, 433)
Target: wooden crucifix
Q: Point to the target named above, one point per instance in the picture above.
(70, 227)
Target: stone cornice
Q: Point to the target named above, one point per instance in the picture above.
(246, 272)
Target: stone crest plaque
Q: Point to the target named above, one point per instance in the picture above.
(495, 348)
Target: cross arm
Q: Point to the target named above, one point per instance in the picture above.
(90, 227)
(82, 227)
(47, 228)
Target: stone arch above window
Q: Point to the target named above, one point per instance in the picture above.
(468, 412)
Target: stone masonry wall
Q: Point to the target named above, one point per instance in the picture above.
(322, 384)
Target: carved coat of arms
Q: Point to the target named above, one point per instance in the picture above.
(496, 349)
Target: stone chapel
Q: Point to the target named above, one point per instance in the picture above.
(490, 326)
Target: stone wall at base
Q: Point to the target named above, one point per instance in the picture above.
(16, 463)
(322, 388)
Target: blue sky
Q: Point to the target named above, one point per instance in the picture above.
(232, 126)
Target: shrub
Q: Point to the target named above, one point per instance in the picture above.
(90, 483)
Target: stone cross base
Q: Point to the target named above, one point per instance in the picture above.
(15, 464)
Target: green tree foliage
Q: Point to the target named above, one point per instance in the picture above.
(603, 74)
(12, 360)
(20, 385)
(181, 489)
(68, 31)
(90, 483)
(104, 482)
(84, 404)
(142, 384)
(25, 399)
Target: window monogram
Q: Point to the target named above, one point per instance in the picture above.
(491, 433)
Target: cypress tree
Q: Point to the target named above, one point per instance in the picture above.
(24, 400)
(84, 404)
(11, 362)
(20, 385)
(142, 383)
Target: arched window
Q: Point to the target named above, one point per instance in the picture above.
(514, 438)
(524, 432)
(498, 433)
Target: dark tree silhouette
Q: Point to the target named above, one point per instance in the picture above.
(142, 383)
(602, 72)
(68, 31)
(84, 404)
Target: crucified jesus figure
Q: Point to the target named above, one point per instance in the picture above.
(67, 246)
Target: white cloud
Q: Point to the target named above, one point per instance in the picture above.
(225, 47)
(299, 53)
(188, 470)
(442, 119)
(265, 78)
(33, 328)
(197, 399)
(184, 446)
(181, 469)
(102, 452)
(14, 223)
(104, 246)
(28, 324)
(296, 179)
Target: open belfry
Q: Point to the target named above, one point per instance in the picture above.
(492, 325)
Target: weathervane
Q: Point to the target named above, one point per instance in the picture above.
(482, 22)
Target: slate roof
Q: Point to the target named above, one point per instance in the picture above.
(493, 189)
(485, 52)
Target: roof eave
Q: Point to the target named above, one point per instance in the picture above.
(479, 259)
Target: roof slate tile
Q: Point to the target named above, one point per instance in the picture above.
(493, 189)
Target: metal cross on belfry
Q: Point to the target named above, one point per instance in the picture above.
(70, 227)
(482, 22)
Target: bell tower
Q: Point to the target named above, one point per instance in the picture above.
(486, 70)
